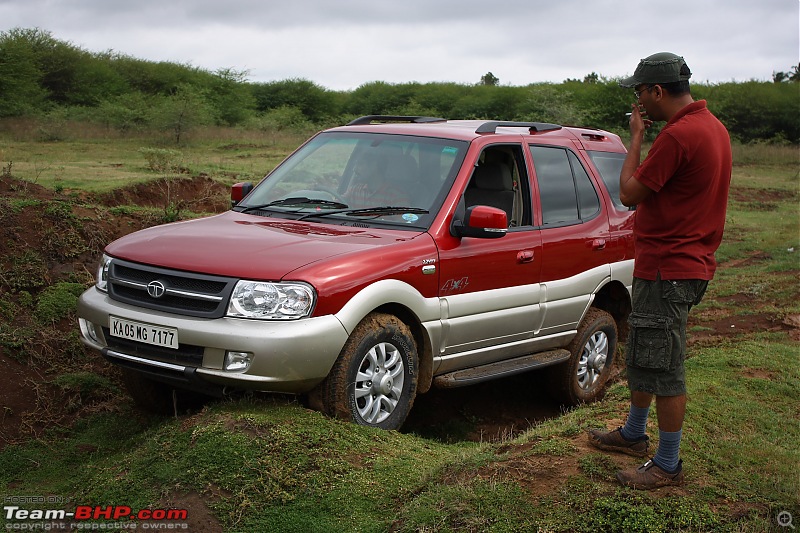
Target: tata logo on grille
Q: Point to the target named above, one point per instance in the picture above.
(156, 289)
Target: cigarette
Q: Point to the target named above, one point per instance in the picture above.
(628, 114)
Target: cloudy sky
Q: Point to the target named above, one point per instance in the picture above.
(342, 44)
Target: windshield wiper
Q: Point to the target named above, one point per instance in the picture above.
(387, 210)
(369, 211)
(299, 200)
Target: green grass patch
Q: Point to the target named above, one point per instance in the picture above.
(101, 164)
(57, 301)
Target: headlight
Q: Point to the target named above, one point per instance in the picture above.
(101, 281)
(281, 301)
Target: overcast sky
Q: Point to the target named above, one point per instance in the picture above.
(342, 44)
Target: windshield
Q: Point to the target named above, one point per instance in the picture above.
(357, 177)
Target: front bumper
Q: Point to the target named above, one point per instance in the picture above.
(287, 356)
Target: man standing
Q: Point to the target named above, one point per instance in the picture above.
(681, 194)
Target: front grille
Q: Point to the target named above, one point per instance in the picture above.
(186, 354)
(184, 293)
(179, 281)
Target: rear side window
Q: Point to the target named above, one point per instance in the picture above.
(566, 192)
(609, 165)
(588, 202)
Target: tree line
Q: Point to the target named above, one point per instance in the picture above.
(45, 77)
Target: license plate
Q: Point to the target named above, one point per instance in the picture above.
(146, 333)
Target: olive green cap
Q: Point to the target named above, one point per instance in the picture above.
(663, 67)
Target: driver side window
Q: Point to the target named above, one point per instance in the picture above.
(500, 180)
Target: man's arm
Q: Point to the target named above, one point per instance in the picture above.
(631, 190)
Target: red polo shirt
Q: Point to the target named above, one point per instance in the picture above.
(679, 227)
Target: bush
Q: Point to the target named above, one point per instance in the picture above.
(27, 271)
(284, 118)
(756, 110)
(162, 159)
(57, 301)
(127, 113)
(84, 387)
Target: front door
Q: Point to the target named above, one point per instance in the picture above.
(489, 289)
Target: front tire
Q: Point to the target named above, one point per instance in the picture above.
(374, 380)
(584, 378)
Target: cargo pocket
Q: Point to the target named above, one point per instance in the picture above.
(650, 346)
(684, 291)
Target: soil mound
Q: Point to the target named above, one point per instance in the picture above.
(198, 194)
(51, 243)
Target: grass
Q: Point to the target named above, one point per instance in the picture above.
(104, 162)
(265, 463)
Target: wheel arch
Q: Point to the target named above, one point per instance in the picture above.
(614, 298)
(422, 340)
(407, 304)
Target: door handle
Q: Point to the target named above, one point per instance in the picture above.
(599, 244)
(525, 256)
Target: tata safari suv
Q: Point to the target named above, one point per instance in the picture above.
(380, 259)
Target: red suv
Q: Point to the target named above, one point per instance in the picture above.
(379, 259)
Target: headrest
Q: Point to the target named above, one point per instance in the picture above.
(494, 177)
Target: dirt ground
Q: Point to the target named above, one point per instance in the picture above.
(31, 355)
(47, 238)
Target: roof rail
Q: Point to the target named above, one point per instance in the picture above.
(369, 119)
(491, 126)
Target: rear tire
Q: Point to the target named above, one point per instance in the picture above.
(584, 378)
(374, 380)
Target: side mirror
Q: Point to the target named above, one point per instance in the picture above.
(239, 191)
(481, 221)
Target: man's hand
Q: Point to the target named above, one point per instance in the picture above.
(638, 123)
(631, 191)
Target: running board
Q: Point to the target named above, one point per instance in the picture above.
(500, 369)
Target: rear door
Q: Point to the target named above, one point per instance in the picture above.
(576, 247)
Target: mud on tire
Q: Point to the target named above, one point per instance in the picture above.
(374, 380)
(585, 376)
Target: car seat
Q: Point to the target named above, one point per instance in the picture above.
(492, 185)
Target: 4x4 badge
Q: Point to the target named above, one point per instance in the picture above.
(455, 284)
(156, 289)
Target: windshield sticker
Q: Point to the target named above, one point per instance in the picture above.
(410, 217)
(450, 150)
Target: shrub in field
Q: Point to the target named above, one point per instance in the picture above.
(27, 270)
(57, 301)
(182, 111)
(286, 118)
(756, 110)
(162, 160)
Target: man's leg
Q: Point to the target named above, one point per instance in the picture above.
(671, 412)
(665, 468)
(631, 438)
(636, 424)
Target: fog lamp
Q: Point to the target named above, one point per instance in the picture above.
(89, 329)
(237, 361)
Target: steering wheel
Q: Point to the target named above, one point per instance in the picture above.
(334, 195)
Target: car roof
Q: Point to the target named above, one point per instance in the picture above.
(468, 130)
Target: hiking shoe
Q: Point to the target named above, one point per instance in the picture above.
(613, 441)
(650, 476)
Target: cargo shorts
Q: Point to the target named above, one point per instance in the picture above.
(657, 341)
